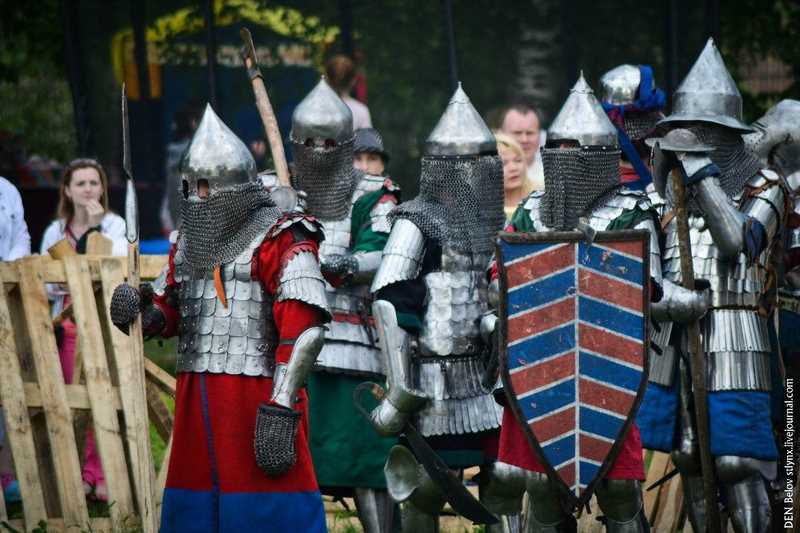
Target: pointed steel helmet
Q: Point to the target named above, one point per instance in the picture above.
(217, 155)
(620, 85)
(582, 119)
(322, 114)
(708, 94)
(460, 130)
(776, 137)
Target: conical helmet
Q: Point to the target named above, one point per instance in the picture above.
(620, 85)
(708, 94)
(216, 155)
(582, 119)
(322, 115)
(460, 130)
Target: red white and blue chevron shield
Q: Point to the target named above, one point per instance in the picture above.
(574, 331)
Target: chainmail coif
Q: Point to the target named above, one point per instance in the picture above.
(218, 228)
(576, 180)
(327, 177)
(460, 202)
(736, 164)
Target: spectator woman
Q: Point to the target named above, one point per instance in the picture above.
(516, 184)
(82, 210)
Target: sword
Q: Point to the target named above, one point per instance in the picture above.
(460, 499)
(143, 469)
(265, 108)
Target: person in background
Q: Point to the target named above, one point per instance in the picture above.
(184, 124)
(521, 121)
(15, 242)
(82, 210)
(369, 155)
(516, 183)
(341, 75)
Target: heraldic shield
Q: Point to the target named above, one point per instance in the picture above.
(573, 336)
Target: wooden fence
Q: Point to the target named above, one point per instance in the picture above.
(46, 419)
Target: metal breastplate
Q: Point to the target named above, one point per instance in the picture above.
(457, 298)
(239, 339)
(736, 283)
(349, 345)
(735, 337)
(451, 361)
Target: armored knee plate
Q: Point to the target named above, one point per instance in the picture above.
(407, 480)
(544, 511)
(742, 481)
(621, 503)
(502, 486)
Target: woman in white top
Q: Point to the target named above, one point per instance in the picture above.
(15, 242)
(516, 184)
(82, 209)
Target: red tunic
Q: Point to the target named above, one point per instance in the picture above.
(213, 482)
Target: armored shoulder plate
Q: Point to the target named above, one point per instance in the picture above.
(766, 202)
(308, 223)
(402, 255)
(302, 280)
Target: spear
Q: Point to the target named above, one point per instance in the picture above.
(265, 108)
(143, 469)
(698, 363)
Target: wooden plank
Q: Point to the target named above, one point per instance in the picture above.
(161, 481)
(56, 525)
(54, 398)
(660, 465)
(159, 377)
(132, 392)
(61, 249)
(53, 271)
(97, 244)
(77, 396)
(98, 385)
(159, 413)
(18, 425)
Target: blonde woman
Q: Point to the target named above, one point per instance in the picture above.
(516, 184)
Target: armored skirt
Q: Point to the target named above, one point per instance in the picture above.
(213, 482)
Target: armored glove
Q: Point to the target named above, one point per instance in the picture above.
(276, 429)
(682, 305)
(339, 265)
(127, 302)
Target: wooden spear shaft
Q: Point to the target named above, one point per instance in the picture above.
(697, 358)
(265, 108)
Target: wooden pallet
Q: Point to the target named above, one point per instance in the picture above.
(46, 419)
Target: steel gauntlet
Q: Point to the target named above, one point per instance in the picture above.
(127, 302)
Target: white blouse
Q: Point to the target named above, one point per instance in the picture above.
(15, 241)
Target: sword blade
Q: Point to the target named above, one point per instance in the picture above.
(462, 501)
(131, 205)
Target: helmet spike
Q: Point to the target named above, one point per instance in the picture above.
(582, 119)
(460, 130)
(322, 114)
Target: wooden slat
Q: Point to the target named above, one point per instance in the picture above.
(54, 398)
(18, 425)
(159, 377)
(52, 271)
(97, 244)
(132, 392)
(56, 525)
(159, 413)
(77, 396)
(161, 481)
(660, 465)
(98, 385)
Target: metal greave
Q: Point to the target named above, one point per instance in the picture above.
(375, 510)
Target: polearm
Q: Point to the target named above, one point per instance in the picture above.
(265, 108)
(697, 358)
(143, 471)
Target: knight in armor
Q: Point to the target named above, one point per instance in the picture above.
(244, 294)
(735, 208)
(431, 294)
(634, 105)
(582, 192)
(352, 207)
